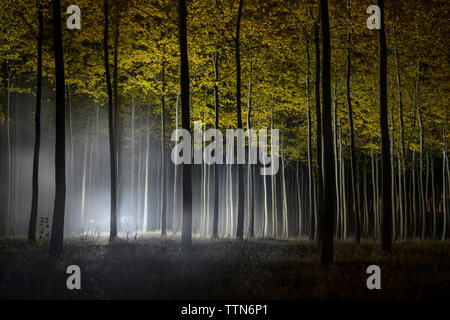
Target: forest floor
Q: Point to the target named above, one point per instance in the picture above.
(151, 268)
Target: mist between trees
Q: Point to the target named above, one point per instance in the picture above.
(362, 118)
(212, 153)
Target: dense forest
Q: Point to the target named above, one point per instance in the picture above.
(87, 116)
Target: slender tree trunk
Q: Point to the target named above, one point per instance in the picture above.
(285, 233)
(386, 212)
(250, 167)
(215, 231)
(343, 193)
(229, 203)
(354, 203)
(175, 175)
(17, 160)
(427, 181)
(266, 215)
(83, 177)
(240, 218)
(132, 163)
(336, 163)
(422, 195)
(444, 186)
(273, 181)
(299, 201)
(163, 156)
(8, 138)
(186, 235)
(402, 167)
(112, 116)
(413, 197)
(433, 196)
(366, 205)
(146, 182)
(391, 115)
(139, 186)
(37, 138)
(114, 125)
(327, 220)
(57, 236)
(319, 177)
(311, 184)
(374, 198)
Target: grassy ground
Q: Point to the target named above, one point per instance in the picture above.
(152, 268)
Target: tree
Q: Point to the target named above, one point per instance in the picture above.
(327, 219)
(111, 127)
(354, 203)
(319, 177)
(215, 231)
(386, 211)
(37, 141)
(186, 234)
(57, 236)
(240, 222)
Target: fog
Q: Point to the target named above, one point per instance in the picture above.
(88, 182)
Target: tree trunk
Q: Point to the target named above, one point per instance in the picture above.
(311, 184)
(111, 128)
(250, 167)
(394, 233)
(299, 201)
(444, 186)
(402, 167)
(343, 193)
(83, 177)
(319, 177)
(327, 219)
(146, 182)
(114, 125)
(8, 138)
(56, 242)
(354, 203)
(240, 199)
(175, 175)
(386, 212)
(433, 196)
(336, 163)
(285, 230)
(273, 180)
(163, 155)
(132, 162)
(266, 208)
(37, 139)
(186, 235)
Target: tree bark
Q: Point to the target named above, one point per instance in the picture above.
(163, 156)
(319, 177)
(386, 212)
(402, 167)
(8, 139)
(240, 199)
(186, 235)
(111, 128)
(215, 231)
(327, 219)
(391, 115)
(311, 184)
(250, 166)
(37, 138)
(336, 163)
(57, 236)
(354, 203)
(146, 182)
